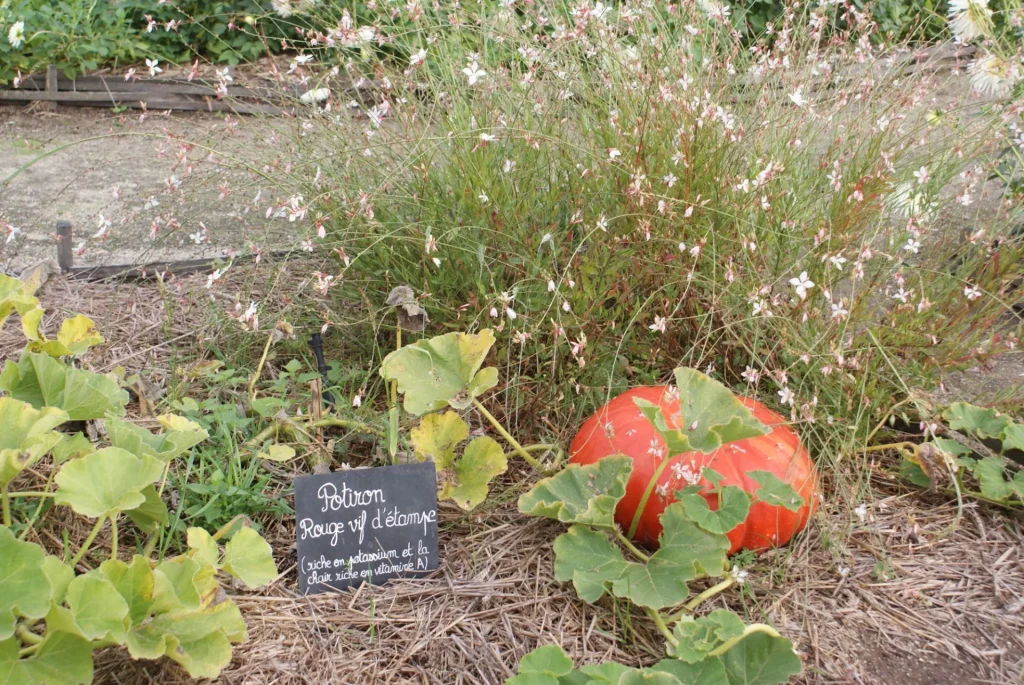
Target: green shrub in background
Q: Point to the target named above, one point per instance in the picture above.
(84, 35)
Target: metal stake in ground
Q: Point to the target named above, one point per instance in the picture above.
(317, 344)
(65, 257)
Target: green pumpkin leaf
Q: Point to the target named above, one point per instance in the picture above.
(442, 371)
(59, 575)
(990, 474)
(135, 584)
(604, 674)
(1013, 437)
(27, 435)
(62, 659)
(248, 557)
(914, 474)
(734, 504)
(589, 560)
(698, 637)
(204, 547)
(198, 640)
(43, 381)
(466, 483)
(25, 588)
(181, 583)
(105, 482)
(72, 447)
(706, 672)
(711, 415)
(99, 610)
(164, 446)
(14, 298)
(151, 515)
(437, 436)
(775, 491)
(76, 336)
(985, 423)
(549, 660)
(581, 494)
(761, 659)
(686, 552)
(1018, 484)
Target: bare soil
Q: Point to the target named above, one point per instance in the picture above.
(80, 164)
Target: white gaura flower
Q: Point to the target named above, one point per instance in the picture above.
(154, 66)
(969, 19)
(283, 7)
(16, 34)
(801, 284)
(798, 97)
(994, 76)
(658, 325)
(474, 73)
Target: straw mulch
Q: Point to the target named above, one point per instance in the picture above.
(910, 593)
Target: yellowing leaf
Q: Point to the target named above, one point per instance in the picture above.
(248, 557)
(198, 640)
(204, 547)
(278, 453)
(442, 371)
(24, 587)
(711, 415)
(437, 436)
(14, 298)
(105, 482)
(134, 582)
(76, 336)
(26, 435)
(467, 485)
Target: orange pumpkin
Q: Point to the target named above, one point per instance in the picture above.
(620, 428)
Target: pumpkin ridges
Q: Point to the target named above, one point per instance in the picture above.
(779, 452)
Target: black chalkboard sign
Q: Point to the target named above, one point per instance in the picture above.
(365, 525)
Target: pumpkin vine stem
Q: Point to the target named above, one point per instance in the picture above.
(520, 450)
(659, 621)
(88, 542)
(5, 498)
(647, 495)
(749, 630)
(701, 598)
(634, 550)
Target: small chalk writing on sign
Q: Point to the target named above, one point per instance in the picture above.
(365, 525)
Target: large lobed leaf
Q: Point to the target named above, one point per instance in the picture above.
(733, 506)
(106, 482)
(62, 659)
(581, 494)
(980, 421)
(14, 298)
(24, 586)
(711, 415)
(43, 381)
(442, 371)
(248, 557)
(699, 636)
(757, 659)
(180, 435)
(26, 435)
(596, 566)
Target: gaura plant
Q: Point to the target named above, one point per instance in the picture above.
(56, 610)
(599, 558)
(444, 373)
